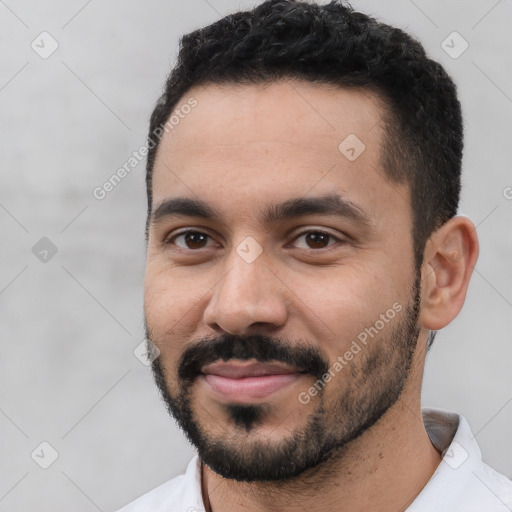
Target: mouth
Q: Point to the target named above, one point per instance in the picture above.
(244, 381)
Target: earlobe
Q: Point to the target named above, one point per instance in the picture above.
(449, 259)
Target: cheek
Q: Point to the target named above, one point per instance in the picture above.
(167, 306)
(343, 303)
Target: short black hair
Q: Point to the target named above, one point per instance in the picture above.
(333, 44)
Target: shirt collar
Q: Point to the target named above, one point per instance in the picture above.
(452, 437)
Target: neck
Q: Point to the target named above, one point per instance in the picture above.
(384, 469)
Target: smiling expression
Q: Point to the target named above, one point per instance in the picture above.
(269, 242)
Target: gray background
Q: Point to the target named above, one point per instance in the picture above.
(69, 325)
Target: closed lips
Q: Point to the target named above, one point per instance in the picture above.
(232, 370)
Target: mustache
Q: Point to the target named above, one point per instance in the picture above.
(303, 358)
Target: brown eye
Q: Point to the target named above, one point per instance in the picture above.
(190, 240)
(315, 240)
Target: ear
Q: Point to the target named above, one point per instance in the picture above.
(449, 259)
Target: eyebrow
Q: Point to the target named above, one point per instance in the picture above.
(330, 204)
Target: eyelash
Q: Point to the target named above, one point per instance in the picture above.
(169, 241)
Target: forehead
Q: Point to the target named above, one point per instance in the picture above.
(273, 141)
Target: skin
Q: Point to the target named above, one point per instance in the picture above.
(241, 149)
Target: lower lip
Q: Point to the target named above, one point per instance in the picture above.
(249, 388)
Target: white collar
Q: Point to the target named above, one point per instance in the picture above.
(461, 483)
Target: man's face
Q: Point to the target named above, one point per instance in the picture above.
(323, 295)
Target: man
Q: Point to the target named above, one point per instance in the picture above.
(304, 246)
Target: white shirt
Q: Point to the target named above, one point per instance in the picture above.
(461, 483)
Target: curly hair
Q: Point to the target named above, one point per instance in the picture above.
(333, 44)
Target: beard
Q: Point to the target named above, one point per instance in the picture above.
(364, 390)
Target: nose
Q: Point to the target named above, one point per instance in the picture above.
(248, 295)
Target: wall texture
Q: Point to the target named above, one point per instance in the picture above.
(77, 84)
